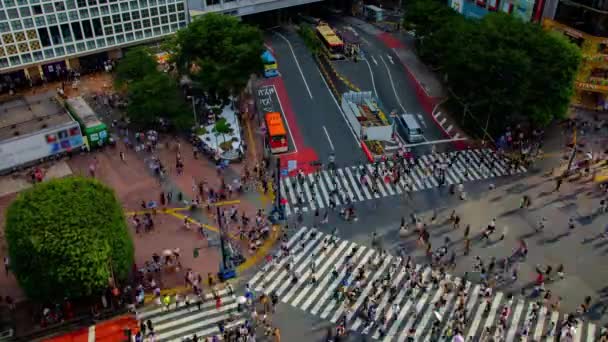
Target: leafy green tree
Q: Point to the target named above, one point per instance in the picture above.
(156, 96)
(500, 69)
(219, 52)
(67, 238)
(135, 65)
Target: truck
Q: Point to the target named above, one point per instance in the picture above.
(94, 131)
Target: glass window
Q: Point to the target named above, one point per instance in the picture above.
(74, 15)
(51, 19)
(124, 6)
(116, 18)
(118, 28)
(173, 18)
(24, 11)
(155, 21)
(55, 36)
(37, 55)
(137, 25)
(4, 27)
(71, 4)
(103, 1)
(154, 11)
(16, 25)
(135, 15)
(84, 13)
(145, 13)
(3, 63)
(48, 8)
(63, 17)
(27, 58)
(107, 20)
(111, 40)
(77, 30)
(94, 11)
(148, 33)
(44, 37)
(133, 5)
(164, 19)
(166, 29)
(143, 3)
(126, 17)
(70, 49)
(60, 51)
(152, 2)
(92, 2)
(9, 3)
(91, 44)
(28, 23)
(49, 53)
(80, 47)
(66, 33)
(37, 9)
(40, 21)
(101, 42)
(81, 3)
(97, 27)
(108, 30)
(139, 35)
(22, 2)
(12, 13)
(181, 16)
(162, 2)
(114, 8)
(128, 27)
(145, 23)
(130, 37)
(105, 10)
(157, 31)
(163, 9)
(86, 27)
(180, 7)
(171, 8)
(120, 39)
(59, 6)
(15, 60)
(2, 14)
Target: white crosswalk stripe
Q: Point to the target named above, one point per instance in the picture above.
(400, 311)
(345, 184)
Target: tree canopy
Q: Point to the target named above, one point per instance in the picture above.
(219, 52)
(66, 238)
(500, 68)
(151, 93)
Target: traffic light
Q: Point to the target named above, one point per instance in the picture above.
(196, 252)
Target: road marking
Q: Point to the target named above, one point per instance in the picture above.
(390, 59)
(297, 63)
(374, 60)
(449, 128)
(443, 121)
(340, 109)
(435, 142)
(390, 77)
(331, 144)
(437, 115)
(91, 337)
(372, 76)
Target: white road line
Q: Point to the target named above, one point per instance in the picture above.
(91, 336)
(493, 309)
(590, 332)
(331, 186)
(390, 59)
(331, 144)
(314, 187)
(352, 131)
(193, 319)
(374, 60)
(390, 77)
(539, 326)
(323, 189)
(513, 326)
(314, 258)
(429, 311)
(449, 128)
(297, 63)
(346, 185)
(372, 76)
(353, 183)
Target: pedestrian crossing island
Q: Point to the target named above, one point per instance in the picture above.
(320, 265)
(364, 182)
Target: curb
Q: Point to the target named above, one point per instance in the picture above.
(249, 263)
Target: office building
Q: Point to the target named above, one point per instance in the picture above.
(43, 39)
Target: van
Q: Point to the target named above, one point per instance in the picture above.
(409, 129)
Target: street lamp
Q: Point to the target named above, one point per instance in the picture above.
(193, 109)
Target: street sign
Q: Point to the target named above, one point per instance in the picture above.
(284, 172)
(292, 165)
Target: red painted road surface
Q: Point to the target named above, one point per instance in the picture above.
(108, 331)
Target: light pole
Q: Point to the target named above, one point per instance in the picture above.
(191, 97)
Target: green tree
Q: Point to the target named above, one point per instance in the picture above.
(500, 68)
(156, 96)
(135, 65)
(66, 238)
(222, 127)
(219, 52)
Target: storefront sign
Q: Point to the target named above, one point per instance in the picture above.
(591, 87)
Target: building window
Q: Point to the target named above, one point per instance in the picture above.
(66, 33)
(71, 4)
(166, 29)
(133, 5)
(139, 35)
(38, 56)
(81, 3)
(59, 6)
(164, 19)
(55, 36)
(180, 7)
(9, 3)
(145, 13)
(25, 11)
(12, 13)
(116, 18)
(84, 13)
(120, 39)
(73, 15)
(15, 60)
(163, 9)
(27, 58)
(86, 27)
(124, 6)
(171, 8)
(48, 8)
(135, 15)
(80, 47)
(94, 11)
(128, 27)
(105, 10)
(92, 2)
(155, 21)
(107, 20)
(49, 53)
(40, 21)
(126, 17)
(60, 51)
(4, 27)
(148, 33)
(154, 11)
(146, 23)
(3, 63)
(143, 3)
(109, 31)
(157, 31)
(2, 14)
(111, 41)
(51, 19)
(16, 25)
(97, 27)
(130, 37)
(91, 44)
(62, 17)
(137, 25)
(70, 49)
(101, 42)
(114, 8)
(118, 28)
(173, 18)
(28, 23)
(77, 30)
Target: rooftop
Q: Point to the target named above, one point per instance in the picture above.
(25, 115)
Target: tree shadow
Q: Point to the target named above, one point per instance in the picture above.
(591, 239)
(551, 240)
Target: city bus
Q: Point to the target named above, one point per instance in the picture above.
(270, 65)
(276, 133)
(332, 44)
(95, 131)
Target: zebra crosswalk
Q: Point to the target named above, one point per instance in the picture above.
(309, 277)
(183, 321)
(350, 184)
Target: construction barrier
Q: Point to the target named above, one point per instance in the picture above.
(367, 152)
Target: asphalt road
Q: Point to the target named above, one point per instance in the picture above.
(318, 114)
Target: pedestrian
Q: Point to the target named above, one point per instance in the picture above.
(6, 265)
(123, 158)
(467, 229)
(166, 302)
(558, 183)
(467, 246)
(505, 230)
(218, 302)
(456, 222)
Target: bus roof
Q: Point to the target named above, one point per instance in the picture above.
(83, 112)
(267, 57)
(274, 122)
(329, 35)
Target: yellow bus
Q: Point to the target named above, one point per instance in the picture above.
(332, 44)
